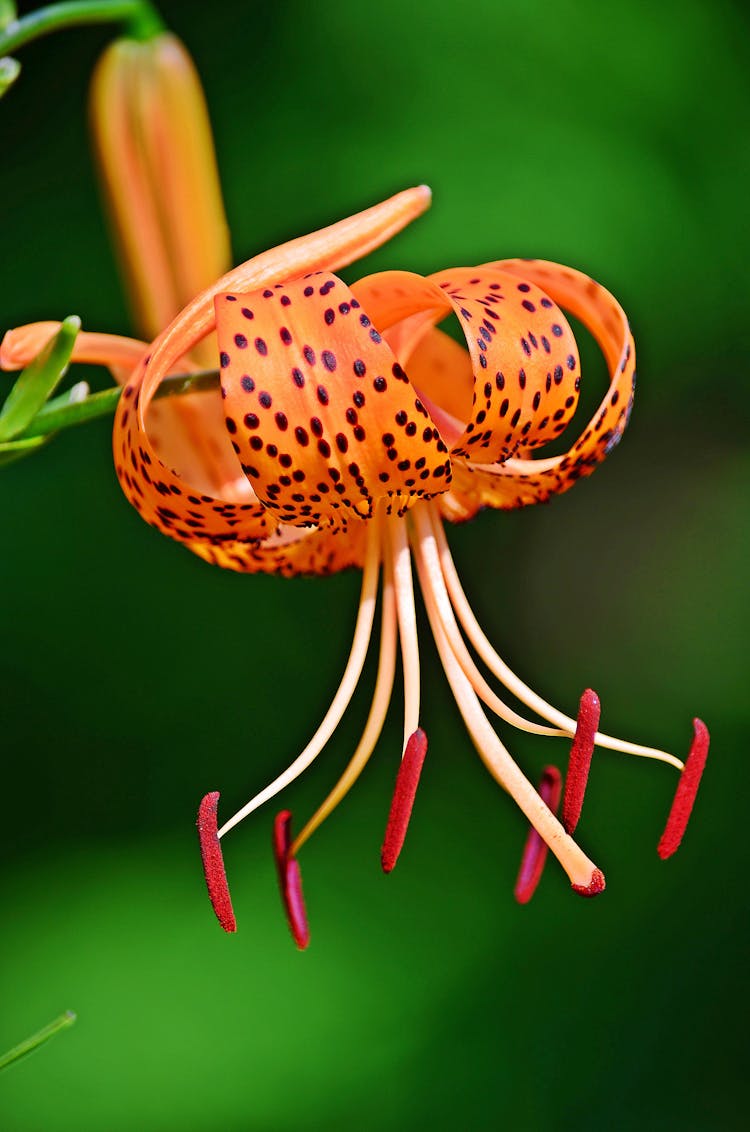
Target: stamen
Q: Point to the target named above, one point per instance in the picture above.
(433, 590)
(213, 863)
(512, 682)
(407, 623)
(376, 718)
(407, 781)
(583, 874)
(687, 788)
(349, 681)
(579, 762)
(535, 849)
(290, 880)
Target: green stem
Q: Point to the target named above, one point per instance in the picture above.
(43, 1035)
(138, 15)
(57, 414)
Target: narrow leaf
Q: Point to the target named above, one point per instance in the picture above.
(38, 381)
(30, 1044)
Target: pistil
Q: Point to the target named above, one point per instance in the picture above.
(584, 876)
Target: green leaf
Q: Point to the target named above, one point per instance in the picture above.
(17, 449)
(30, 1044)
(38, 381)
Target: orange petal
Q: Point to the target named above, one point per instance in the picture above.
(520, 482)
(22, 344)
(405, 307)
(320, 413)
(291, 550)
(525, 361)
(170, 502)
(328, 249)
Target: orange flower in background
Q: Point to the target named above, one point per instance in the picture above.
(347, 428)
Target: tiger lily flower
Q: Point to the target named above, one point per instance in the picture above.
(346, 430)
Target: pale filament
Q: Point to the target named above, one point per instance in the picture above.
(378, 710)
(433, 588)
(502, 767)
(349, 681)
(513, 683)
(398, 542)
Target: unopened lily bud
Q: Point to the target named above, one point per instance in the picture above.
(158, 166)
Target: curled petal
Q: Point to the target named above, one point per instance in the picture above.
(535, 849)
(522, 362)
(579, 761)
(290, 880)
(519, 482)
(525, 361)
(407, 781)
(21, 345)
(209, 503)
(213, 863)
(687, 788)
(291, 550)
(165, 499)
(319, 411)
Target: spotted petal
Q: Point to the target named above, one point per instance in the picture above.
(319, 411)
(517, 483)
(521, 352)
(525, 361)
(165, 498)
(291, 550)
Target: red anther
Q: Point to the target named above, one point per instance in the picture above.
(407, 781)
(213, 863)
(535, 849)
(596, 885)
(290, 880)
(579, 762)
(687, 788)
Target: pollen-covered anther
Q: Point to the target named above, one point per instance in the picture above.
(687, 788)
(407, 781)
(213, 862)
(535, 849)
(290, 880)
(579, 762)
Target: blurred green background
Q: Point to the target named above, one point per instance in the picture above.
(135, 678)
